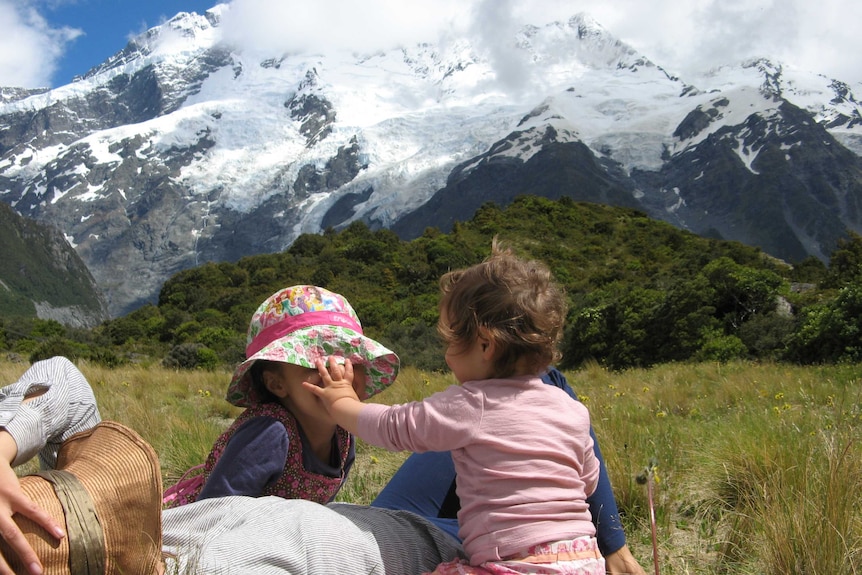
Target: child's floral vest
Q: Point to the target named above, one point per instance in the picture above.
(295, 482)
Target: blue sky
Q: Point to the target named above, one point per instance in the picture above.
(45, 43)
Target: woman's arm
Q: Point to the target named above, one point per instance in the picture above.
(12, 501)
(603, 506)
(50, 402)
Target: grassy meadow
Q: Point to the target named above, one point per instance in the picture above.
(758, 467)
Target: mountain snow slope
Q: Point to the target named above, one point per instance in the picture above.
(180, 149)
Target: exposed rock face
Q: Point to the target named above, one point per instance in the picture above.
(315, 115)
(42, 276)
(782, 183)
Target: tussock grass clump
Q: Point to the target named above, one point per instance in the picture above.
(759, 464)
(787, 507)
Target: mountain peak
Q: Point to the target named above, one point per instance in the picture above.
(603, 46)
(184, 35)
(587, 26)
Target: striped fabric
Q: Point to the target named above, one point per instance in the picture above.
(270, 535)
(66, 407)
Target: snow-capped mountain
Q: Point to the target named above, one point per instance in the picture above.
(181, 149)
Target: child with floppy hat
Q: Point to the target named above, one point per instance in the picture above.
(286, 443)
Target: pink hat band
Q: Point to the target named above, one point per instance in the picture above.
(293, 323)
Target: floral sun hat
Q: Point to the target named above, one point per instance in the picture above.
(302, 324)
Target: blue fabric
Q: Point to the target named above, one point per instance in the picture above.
(424, 484)
(255, 456)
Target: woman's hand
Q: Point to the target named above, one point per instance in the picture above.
(13, 500)
(622, 562)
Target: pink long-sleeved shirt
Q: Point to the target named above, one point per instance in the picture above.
(522, 451)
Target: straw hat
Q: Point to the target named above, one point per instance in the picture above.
(107, 492)
(302, 324)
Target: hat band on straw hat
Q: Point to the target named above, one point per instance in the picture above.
(293, 323)
(86, 538)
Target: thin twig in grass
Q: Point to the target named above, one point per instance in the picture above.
(650, 476)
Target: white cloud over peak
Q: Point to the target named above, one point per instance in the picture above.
(686, 38)
(367, 26)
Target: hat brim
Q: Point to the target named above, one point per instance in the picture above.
(305, 346)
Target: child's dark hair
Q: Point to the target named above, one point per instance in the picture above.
(516, 300)
(256, 371)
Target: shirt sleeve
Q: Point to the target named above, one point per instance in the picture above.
(444, 421)
(62, 405)
(603, 507)
(252, 459)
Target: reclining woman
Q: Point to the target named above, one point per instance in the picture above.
(414, 514)
(237, 529)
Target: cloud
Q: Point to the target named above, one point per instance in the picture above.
(831, 30)
(493, 25)
(371, 25)
(689, 38)
(29, 47)
(686, 38)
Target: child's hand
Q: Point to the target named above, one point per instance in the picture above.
(336, 381)
(336, 391)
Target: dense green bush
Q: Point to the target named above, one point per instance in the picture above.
(57, 345)
(641, 292)
(191, 356)
(720, 347)
(845, 264)
(830, 332)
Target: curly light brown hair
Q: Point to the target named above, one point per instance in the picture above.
(516, 300)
